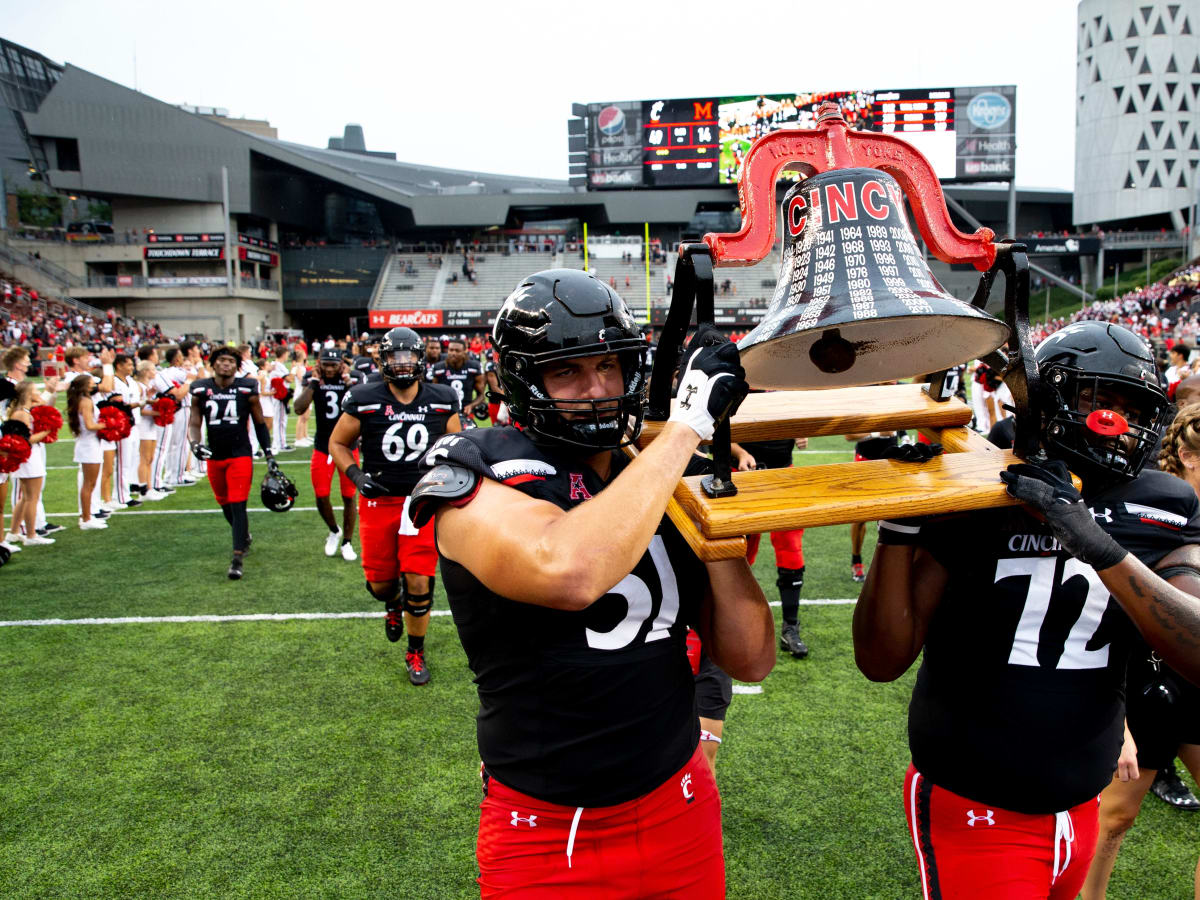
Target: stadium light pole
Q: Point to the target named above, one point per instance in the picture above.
(585, 249)
(646, 254)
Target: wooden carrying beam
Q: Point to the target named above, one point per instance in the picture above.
(856, 410)
(965, 477)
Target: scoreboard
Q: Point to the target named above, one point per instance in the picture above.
(680, 143)
(923, 117)
(967, 134)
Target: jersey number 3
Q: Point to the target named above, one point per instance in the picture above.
(1040, 571)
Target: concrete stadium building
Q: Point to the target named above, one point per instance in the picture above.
(219, 228)
(1137, 142)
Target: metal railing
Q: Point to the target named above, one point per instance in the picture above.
(54, 272)
(1141, 238)
(140, 281)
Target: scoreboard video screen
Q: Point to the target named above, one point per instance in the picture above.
(967, 134)
(680, 142)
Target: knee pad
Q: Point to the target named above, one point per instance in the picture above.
(417, 605)
(386, 598)
(789, 578)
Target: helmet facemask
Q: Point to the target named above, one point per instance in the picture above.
(402, 366)
(1103, 425)
(599, 423)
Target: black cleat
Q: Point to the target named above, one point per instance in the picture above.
(132, 502)
(418, 672)
(1169, 787)
(235, 569)
(249, 541)
(393, 623)
(790, 641)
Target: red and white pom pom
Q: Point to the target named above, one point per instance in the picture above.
(14, 450)
(48, 419)
(116, 424)
(164, 410)
(278, 388)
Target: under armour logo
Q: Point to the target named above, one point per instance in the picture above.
(971, 818)
(686, 402)
(1105, 516)
(578, 490)
(685, 784)
(531, 821)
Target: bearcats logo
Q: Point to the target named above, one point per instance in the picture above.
(685, 784)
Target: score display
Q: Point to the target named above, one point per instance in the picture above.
(924, 118)
(967, 134)
(680, 145)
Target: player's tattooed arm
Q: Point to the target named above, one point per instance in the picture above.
(903, 588)
(1166, 612)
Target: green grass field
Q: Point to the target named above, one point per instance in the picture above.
(292, 758)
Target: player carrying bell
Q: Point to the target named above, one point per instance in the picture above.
(396, 420)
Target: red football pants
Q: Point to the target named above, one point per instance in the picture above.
(664, 844)
(969, 850)
(391, 544)
(789, 548)
(230, 478)
(320, 472)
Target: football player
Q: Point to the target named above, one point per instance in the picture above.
(1026, 616)
(226, 405)
(463, 374)
(367, 365)
(395, 419)
(325, 390)
(574, 613)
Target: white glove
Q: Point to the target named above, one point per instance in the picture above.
(711, 384)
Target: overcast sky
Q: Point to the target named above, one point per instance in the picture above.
(489, 86)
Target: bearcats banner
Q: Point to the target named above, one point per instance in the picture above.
(407, 318)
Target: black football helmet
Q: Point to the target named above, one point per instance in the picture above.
(1087, 368)
(395, 362)
(562, 314)
(277, 491)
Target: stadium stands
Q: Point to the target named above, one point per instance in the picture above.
(407, 281)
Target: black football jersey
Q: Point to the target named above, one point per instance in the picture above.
(461, 380)
(327, 409)
(226, 414)
(582, 708)
(1026, 653)
(394, 436)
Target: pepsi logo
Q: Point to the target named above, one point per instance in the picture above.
(611, 121)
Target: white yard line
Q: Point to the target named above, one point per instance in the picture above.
(179, 512)
(279, 617)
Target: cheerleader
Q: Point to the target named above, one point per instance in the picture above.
(81, 414)
(299, 371)
(146, 431)
(32, 473)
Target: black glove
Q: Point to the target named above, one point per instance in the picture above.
(367, 485)
(200, 451)
(1047, 488)
(712, 383)
(272, 465)
(913, 453)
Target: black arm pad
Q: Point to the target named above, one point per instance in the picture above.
(354, 473)
(264, 436)
(444, 483)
